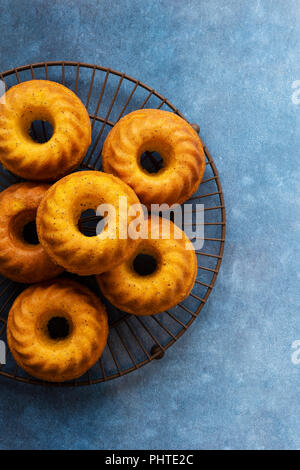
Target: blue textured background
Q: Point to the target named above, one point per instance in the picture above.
(229, 382)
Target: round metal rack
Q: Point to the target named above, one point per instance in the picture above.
(133, 341)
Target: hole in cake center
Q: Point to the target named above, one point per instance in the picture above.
(30, 234)
(41, 131)
(88, 223)
(152, 162)
(144, 264)
(58, 328)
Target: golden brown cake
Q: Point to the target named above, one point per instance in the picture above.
(57, 330)
(20, 260)
(159, 131)
(46, 101)
(60, 211)
(159, 274)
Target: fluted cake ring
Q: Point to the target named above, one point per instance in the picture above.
(47, 101)
(159, 131)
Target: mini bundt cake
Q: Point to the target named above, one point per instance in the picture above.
(20, 260)
(154, 130)
(60, 211)
(57, 330)
(159, 274)
(46, 101)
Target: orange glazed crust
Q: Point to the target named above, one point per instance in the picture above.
(169, 284)
(169, 135)
(57, 360)
(47, 101)
(19, 260)
(60, 210)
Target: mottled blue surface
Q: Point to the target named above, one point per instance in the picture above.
(229, 382)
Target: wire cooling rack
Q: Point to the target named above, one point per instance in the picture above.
(133, 341)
